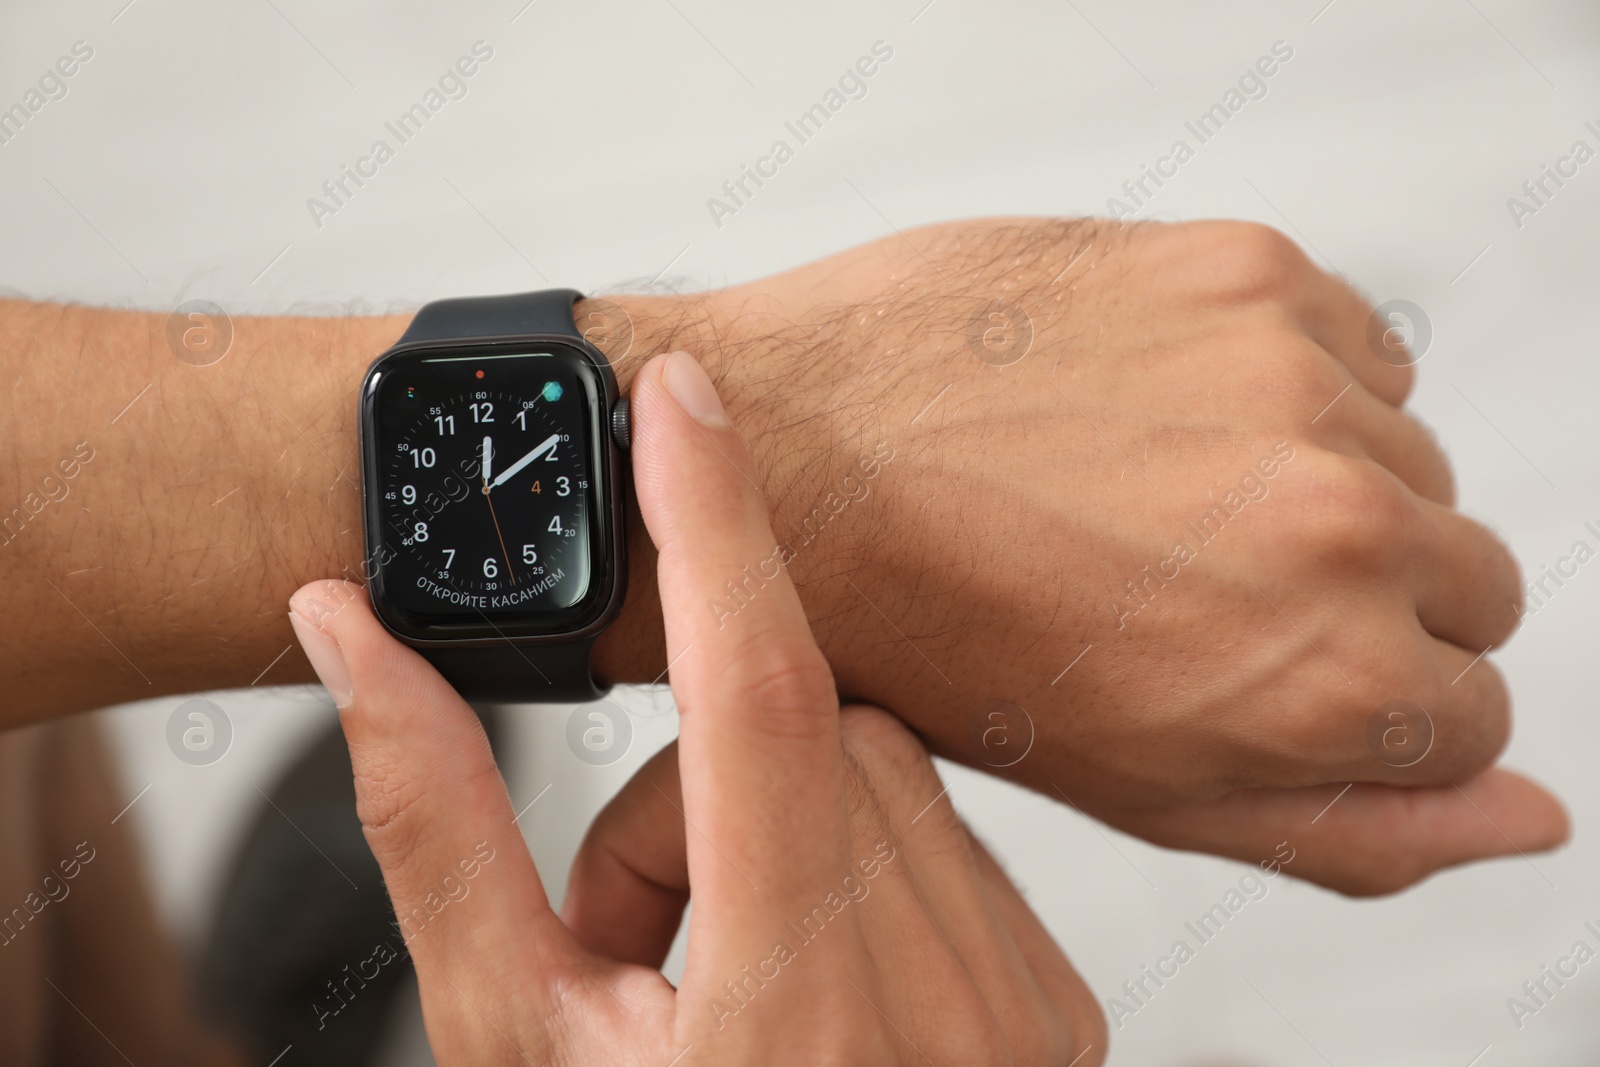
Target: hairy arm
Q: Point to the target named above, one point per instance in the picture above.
(1131, 515)
(160, 513)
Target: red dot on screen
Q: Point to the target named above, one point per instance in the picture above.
(480, 374)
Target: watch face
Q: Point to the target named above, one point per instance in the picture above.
(486, 502)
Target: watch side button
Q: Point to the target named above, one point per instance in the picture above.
(621, 424)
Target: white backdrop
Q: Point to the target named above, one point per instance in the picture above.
(179, 162)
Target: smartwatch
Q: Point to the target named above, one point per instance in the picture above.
(492, 486)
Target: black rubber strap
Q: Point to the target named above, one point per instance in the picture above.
(520, 674)
(511, 315)
(510, 673)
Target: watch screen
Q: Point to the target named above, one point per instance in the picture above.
(482, 498)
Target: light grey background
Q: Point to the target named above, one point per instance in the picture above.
(180, 162)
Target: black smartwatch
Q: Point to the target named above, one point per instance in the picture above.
(492, 483)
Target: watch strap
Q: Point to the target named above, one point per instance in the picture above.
(537, 672)
(547, 311)
(520, 674)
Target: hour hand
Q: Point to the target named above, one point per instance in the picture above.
(488, 458)
(547, 445)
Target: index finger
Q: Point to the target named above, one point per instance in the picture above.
(759, 749)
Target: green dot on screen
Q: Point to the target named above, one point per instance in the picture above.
(552, 391)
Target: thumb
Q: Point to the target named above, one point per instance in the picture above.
(432, 804)
(629, 882)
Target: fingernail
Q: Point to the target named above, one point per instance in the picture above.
(693, 391)
(321, 649)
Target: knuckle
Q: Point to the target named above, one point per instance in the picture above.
(1486, 725)
(1516, 599)
(388, 802)
(1251, 261)
(1436, 478)
(791, 689)
(1404, 381)
(402, 809)
(984, 1042)
(1442, 480)
(1391, 384)
(1037, 1038)
(1351, 514)
(1382, 670)
(1468, 718)
(889, 753)
(1331, 716)
(1501, 573)
(861, 799)
(1390, 666)
(897, 776)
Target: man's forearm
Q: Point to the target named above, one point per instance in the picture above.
(156, 566)
(161, 513)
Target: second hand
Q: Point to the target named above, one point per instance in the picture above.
(510, 572)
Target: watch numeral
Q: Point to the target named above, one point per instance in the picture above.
(530, 554)
(555, 524)
(563, 486)
(522, 419)
(449, 557)
(483, 412)
(419, 532)
(423, 457)
(489, 568)
(446, 424)
(408, 493)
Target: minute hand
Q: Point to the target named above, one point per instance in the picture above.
(547, 445)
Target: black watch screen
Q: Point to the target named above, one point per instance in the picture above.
(484, 505)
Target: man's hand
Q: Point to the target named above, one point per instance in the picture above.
(842, 913)
(1174, 562)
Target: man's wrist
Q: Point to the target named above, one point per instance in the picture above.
(758, 358)
(215, 491)
(629, 331)
(765, 362)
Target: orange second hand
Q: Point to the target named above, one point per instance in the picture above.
(510, 571)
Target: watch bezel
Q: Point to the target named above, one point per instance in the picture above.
(607, 545)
